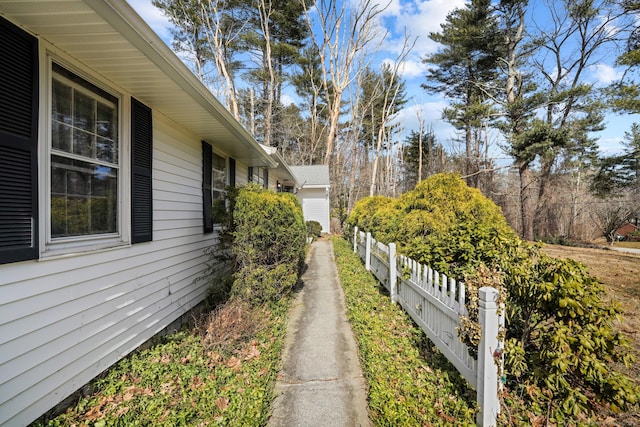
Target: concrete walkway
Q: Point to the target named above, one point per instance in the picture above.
(628, 250)
(321, 383)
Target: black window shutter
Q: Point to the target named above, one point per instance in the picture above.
(265, 176)
(18, 144)
(250, 177)
(141, 167)
(207, 201)
(232, 172)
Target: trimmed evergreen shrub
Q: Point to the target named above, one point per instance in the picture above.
(560, 341)
(269, 243)
(314, 229)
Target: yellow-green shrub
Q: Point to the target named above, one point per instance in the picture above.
(559, 335)
(269, 241)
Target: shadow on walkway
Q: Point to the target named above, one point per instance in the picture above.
(321, 383)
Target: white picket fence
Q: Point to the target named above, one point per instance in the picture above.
(436, 302)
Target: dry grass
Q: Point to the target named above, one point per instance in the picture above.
(620, 273)
(231, 326)
(635, 245)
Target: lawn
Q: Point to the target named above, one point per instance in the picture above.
(633, 245)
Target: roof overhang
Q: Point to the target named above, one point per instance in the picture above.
(109, 37)
(287, 177)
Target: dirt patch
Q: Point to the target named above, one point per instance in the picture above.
(620, 273)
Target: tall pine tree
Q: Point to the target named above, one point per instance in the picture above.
(464, 70)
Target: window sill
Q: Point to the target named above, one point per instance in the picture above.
(54, 251)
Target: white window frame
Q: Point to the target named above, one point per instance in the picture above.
(52, 247)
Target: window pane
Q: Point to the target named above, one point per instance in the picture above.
(106, 121)
(84, 112)
(106, 128)
(61, 118)
(61, 136)
(106, 151)
(61, 104)
(84, 198)
(83, 143)
(219, 172)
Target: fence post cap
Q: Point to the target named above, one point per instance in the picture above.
(488, 297)
(488, 293)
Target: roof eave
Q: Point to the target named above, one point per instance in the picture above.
(125, 20)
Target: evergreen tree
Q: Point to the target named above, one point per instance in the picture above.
(621, 171)
(465, 70)
(624, 95)
(419, 166)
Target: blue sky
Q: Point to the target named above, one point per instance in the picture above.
(419, 18)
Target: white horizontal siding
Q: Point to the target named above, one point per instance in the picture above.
(64, 320)
(242, 174)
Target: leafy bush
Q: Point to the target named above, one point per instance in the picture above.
(560, 341)
(314, 229)
(222, 264)
(268, 244)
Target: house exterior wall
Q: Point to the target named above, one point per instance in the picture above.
(63, 320)
(242, 174)
(71, 307)
(315, 205)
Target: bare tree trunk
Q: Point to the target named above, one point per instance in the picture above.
(391, 92)
(420, 135)
(265, 15)
(252, 113)
(514, 92)
(526, 201)
(217, 40)
(339, 40)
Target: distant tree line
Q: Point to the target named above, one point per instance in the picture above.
(303, 76)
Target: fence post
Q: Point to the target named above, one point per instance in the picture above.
(355, 239)
(393, 277)
(487, 389)
(367, 256)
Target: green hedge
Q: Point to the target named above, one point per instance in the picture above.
(559, 336)
(314, 229)
(269, 241)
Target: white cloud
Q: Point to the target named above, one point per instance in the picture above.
(409, 68)
(153, 17)
(605, 74)
(421, 17)
(287, 99)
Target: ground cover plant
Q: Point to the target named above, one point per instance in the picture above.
(409, 382)
(193, 377)
(561, 346)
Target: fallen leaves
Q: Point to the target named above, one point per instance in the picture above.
(222, 403)
(184, 376)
